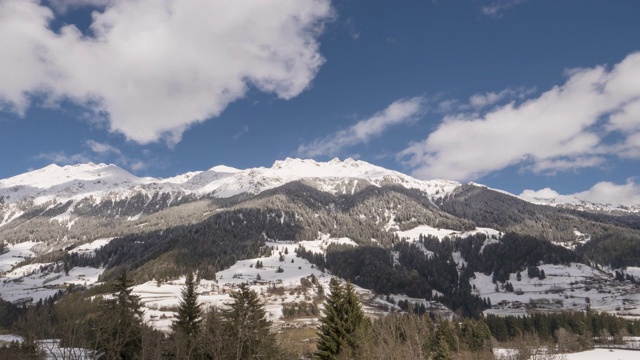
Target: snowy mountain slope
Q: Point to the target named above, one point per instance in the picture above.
(97, 183)
(572, 202)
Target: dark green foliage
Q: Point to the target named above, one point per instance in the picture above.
(613, 249)
(442, 351)
(546, 326)
(513, 253)
(415, 273)
(246, 328)
(189, 314)
(342, 317)
(119, 323)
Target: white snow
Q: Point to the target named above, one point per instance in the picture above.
(320, 246)
(161, 300)
(90, 248)
(595, 354)
(56, 185)
(16, 254)
(425, 230)
(574, 287)
(8, 338)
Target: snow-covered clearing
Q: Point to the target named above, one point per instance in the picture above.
(573, 287)
(90, 248)
(275, 287)
(320, 246)
(37, 281)
(595, 354)
(425, 230)
(16, 254)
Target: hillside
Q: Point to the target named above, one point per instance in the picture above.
(439, 243)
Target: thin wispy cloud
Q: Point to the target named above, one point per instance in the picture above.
(97, 152)
(497, 8)
(156, 70)
(101, 148)
(400, 111)
(241, 133)
(483, 100)
(567, 127)
(62, 158)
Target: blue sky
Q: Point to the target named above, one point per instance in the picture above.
(515, 94)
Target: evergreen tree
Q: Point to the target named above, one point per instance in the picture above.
(354, 314)
(247, 327)
(188, 319)
(442, 349)
(119, 323)
(342, 317)
(189, 314)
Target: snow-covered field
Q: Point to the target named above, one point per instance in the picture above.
(425, 230)
(90, 248)
(595, 354)
(16, 254)
(278, 282)
(276, 288)
(572, 287)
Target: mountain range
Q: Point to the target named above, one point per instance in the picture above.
(388, 232)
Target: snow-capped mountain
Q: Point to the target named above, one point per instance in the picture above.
(94, 218)
(53, 184)
(573, 202)
(96, 184)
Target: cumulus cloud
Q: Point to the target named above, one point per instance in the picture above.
(569, 126)
(156, 67)
(400, 111)
(603, 192)
(611, 193)
(546, 193)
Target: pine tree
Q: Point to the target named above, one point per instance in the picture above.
(354, 314)
(442, 349)
(119, 323)
(342, 317)
(186, 327)
(247, 327)
(189, 314)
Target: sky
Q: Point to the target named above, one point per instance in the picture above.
(532, 97)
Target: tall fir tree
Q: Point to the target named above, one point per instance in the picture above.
(119, 323)
(442, 348)
(189, 314)
(247, 328)
(186, 327)
(342, 317)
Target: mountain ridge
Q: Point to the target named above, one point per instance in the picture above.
(72, 182)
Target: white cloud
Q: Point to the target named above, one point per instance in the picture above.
(480, 101)
(546, 193)
(603, 192)
(99, 152)
(497, 8)
(155, 67)
(561, 129)
(400, 111)
(241, 133)
(610, 193)
(102, 148)
(62, 158)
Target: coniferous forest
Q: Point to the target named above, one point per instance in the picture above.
(112, 328)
